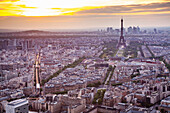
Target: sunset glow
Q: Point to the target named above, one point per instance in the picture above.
(61, 7)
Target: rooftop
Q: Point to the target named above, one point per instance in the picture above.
(18, 102)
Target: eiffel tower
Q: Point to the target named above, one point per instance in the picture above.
(121, 40)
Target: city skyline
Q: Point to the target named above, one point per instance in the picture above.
(23, 14)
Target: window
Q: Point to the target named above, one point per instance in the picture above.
(155, 89)
(163, 88)
(168, 88)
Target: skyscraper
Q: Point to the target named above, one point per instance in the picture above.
(130, 30)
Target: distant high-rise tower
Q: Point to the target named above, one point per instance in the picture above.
(121, 40)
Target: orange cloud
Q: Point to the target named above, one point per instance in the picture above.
(9, 0)
(8, 9)
(71, 11)
(24, 6)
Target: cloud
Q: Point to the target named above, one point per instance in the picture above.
(9, 0)
(24, 6)
(2, 9)
(71, 11)
(9, 9)
(130, 9)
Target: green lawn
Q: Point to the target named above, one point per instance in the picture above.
(98, 97)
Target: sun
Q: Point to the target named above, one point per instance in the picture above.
(52, 7)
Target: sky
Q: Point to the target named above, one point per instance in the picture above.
(83, 14)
